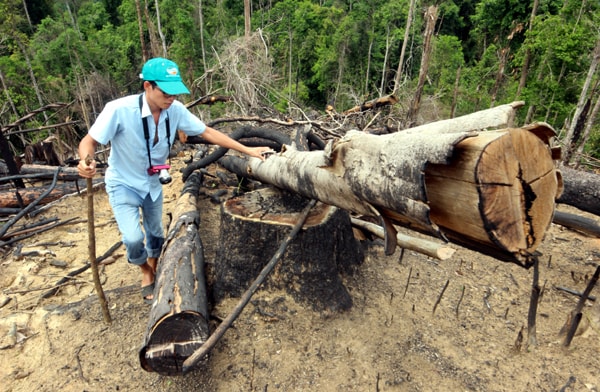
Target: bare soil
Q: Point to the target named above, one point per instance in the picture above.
(400, 334)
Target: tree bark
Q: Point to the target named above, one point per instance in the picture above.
(399, 178)
(253, 225)
(581, 190)
(178, 322)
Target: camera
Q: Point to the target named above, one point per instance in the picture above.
(163, 173)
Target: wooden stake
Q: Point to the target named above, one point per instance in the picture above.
(440, 297)
(92, 247)
(576, 314)
(533, 305)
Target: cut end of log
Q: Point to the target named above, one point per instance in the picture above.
(498, 192)
(173, 340)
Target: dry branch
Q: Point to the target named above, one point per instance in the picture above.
(76, 272)
(426, 247)
(373, 104)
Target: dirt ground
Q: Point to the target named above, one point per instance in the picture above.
(390, 340)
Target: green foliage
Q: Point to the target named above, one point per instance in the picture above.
(446, 59)
(312, 53)
(592, 147)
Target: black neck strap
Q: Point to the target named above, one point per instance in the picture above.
(147, 131)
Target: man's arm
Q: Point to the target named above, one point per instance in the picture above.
(213, 136)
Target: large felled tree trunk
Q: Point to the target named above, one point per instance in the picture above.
(178, 322)
(492, 191)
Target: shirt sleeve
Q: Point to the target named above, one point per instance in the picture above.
(106, 125)
(187, 122)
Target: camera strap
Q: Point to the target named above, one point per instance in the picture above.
(147, 131)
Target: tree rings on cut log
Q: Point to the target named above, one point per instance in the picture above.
(499, 190)
(252, 228)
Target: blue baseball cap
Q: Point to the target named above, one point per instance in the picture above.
(165, 73)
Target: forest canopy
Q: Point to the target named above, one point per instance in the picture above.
(293, 58)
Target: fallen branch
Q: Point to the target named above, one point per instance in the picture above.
(76, 272)
(24, 211)
(31, 234)
(578, 223)
(29, 228)
(193, 359)
(428, 248)
(373, 104)
(574, 292)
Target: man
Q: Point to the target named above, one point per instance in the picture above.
(141, 129)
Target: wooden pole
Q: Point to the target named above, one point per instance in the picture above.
(92, 247)
(193, 359)
(573, 323)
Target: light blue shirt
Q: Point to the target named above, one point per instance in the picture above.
(120, 123)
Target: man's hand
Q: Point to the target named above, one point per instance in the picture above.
(85, 170)
(261, 153)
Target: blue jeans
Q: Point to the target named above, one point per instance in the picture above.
(126, 205)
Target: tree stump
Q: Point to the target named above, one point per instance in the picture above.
(252, 228)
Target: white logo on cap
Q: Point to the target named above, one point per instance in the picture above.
(172, 71)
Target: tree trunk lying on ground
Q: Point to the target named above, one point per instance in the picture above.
(178, 322)
(578, 223)
(582, 190)
(492, 191)
(22, 197)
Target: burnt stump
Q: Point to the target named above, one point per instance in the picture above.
(252, 228)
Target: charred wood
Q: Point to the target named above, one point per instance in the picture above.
(178, 322)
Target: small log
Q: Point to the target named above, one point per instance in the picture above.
(426, 247)
(581, 190)
(576, 222)
(45, 171)
(178, 323)
(10, 199)
(252, 227)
